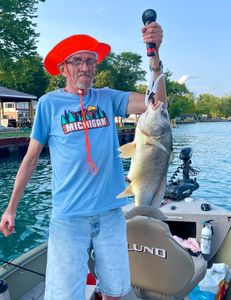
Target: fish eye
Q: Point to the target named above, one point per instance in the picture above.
(164, 114)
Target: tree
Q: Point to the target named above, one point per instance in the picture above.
(207, 105)
(128, 71)
(33, 79)
(120, 71)
(173, 87)
(104, 79)
(18, 36)
(213, 106)
(20, 66)
(225, 106)
(181, 105)
(55, 82)
(180, 99)
(141, 88)
(26, 75)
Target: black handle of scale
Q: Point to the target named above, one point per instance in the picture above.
(149, 16)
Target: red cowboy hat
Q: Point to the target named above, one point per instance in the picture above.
(71, 45)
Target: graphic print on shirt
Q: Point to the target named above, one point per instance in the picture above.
(73, 121)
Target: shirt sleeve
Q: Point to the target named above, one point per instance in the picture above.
(41, 126)
(120, 103)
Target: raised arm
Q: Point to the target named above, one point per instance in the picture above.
(24, 174)
(152, 33)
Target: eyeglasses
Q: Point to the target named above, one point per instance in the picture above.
(90, 62)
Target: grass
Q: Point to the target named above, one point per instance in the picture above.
(15, 134)
(125, 127)
(26, 132)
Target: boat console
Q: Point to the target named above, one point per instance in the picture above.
(154, 253)
(186, 219)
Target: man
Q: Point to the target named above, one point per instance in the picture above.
(77, 122)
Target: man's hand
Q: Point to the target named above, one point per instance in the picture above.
(152, 33)
(7, 223)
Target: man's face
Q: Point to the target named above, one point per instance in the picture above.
(79, 70)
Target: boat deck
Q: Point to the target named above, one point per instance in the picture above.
(187, 215)
(37, 293)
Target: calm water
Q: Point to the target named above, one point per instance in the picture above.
(211, 144)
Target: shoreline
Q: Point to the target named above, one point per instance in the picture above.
(11, 146)
(16, 142)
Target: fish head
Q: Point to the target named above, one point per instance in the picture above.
(155, 120)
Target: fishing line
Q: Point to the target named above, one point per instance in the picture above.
(23, 268)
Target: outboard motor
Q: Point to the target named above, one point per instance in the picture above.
(178, 189)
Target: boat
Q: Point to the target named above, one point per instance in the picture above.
(161, 268)
(183, 218)
(173, 123)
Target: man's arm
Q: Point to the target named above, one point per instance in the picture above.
(136, 104)
(24, 174)
(152, 33)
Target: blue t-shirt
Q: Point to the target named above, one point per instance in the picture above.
(58, 122)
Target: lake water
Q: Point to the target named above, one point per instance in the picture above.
(211, 144)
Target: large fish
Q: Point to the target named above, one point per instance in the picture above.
(150, 153)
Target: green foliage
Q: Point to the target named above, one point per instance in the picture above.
(225, 106)
(20, 66)
(212, 106)
(18, 36)
(120, 72)
(180, 100)
(206, 105)
(26, 75)
(173, 87)
(141, 88)
(181, 105)
(55, 82)
(104, 79)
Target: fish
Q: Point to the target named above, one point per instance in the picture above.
(151, 151)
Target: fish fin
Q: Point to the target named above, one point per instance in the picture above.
(127, 150)
(154, 142)
(127, 192)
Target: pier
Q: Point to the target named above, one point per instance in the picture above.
(13, 145)
(126, 135)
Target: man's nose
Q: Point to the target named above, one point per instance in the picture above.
(84, 66)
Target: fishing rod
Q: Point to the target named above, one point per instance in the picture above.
(23, 268)
(149, 16)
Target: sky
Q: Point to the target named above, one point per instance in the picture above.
(196, 47)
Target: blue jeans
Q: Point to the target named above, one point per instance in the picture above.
(68, 245)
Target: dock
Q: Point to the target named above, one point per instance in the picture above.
(17, 145)
(13, 145)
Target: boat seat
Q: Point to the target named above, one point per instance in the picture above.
(160, 267)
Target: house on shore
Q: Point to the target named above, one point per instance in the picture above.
(16, 108)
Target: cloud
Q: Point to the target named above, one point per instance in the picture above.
(183, 79)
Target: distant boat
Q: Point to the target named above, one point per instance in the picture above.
(173, 123)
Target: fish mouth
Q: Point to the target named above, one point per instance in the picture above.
(154, 105)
